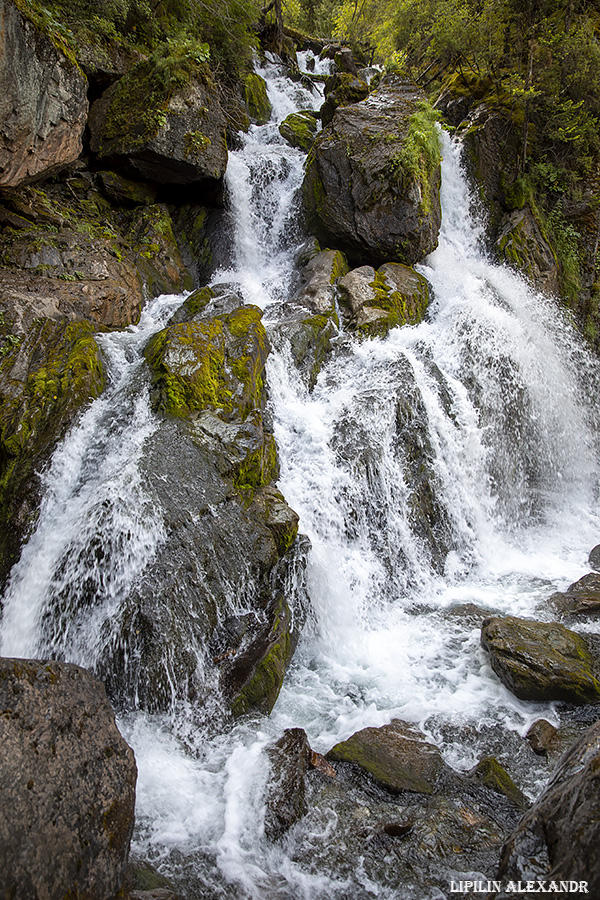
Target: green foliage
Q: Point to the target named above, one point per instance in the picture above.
(420, 151)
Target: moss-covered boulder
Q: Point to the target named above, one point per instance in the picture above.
(216, 363)
(43, 100)
(372, 178)
(299, 129)
(396, 756)
(168, 132)
(230, 537)
(522, 243)
(48, 371)
(341, 90)
(254, 92)
(373, 302)
(541, 661)
(489, 772)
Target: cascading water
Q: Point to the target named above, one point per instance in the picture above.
(492, 387)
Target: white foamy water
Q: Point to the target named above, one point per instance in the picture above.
(489, 391)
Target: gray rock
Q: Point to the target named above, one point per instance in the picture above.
(594, 558)
(67, 784)
(43, 102)
(540, 661)
(542, 736)
(395, 295)
(557, 839)
(286, 789)
(581, 598)
(359, 194)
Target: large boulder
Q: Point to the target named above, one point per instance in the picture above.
(557, 839)
(540, 661)
(43, 102)
(164, 136)
(396, 756)
(373, 176)
(373, 302)
(67, 784)
(219, 609)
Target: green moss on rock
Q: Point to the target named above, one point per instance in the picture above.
(299, 130)
(254, 91)
(489, 772)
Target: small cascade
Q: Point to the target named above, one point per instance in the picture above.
(452, 465)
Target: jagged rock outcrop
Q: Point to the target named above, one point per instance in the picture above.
(309, 321)
(557, 838)
(43, 102)
(371, 189)
(72, 262)
(540, 660)
(67, 784)
(523, 245)
(286, 791)
(180, 140)
(341, 90)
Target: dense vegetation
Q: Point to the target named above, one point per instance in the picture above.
(536, 61)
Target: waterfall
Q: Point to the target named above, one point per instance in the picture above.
(496, 386)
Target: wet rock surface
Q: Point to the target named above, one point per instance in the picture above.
(541, 661)
(359, 195)
(393, 296)
(557, 838)
(67, 781)
(230, 540)
(580, 600)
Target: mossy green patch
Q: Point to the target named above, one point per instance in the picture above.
(254, 92)
(420, 153)
(299, 130)
(490, 773)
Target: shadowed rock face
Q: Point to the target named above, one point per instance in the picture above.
(67, 784)
(558, 837)
(540, 661)
(43, 102)
(360, 193)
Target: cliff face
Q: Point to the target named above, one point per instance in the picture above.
(43, 102)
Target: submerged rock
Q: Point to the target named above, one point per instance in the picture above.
(372, 178)
(557, 838)
(67, 781)
(396, 756)
(540, 661)
(43, 102)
